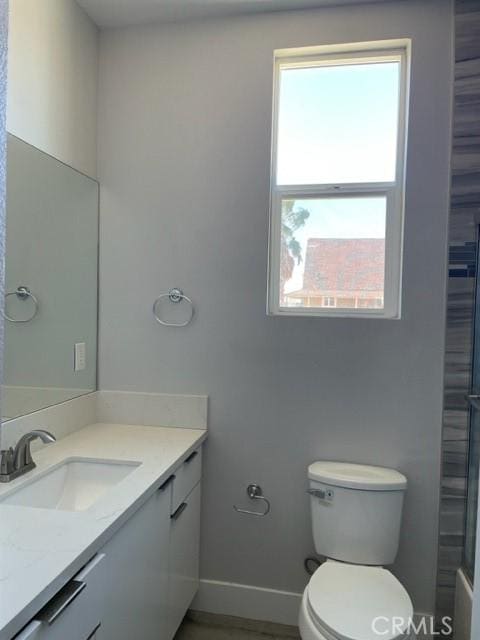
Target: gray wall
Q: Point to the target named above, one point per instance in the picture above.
(184, 155)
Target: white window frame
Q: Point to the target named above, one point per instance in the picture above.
(385, 51)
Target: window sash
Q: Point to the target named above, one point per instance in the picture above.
(393, 191)
(393, 248)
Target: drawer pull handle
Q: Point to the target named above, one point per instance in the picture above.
(94, 631)
(89, 567)
(167, 482)
(191, 457)
(179, 511)
(61, 601)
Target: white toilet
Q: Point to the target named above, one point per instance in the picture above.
(356, 517)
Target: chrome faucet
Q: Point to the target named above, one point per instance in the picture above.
(14, 462)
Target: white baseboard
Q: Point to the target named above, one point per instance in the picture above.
(266, 605)
(246, 601)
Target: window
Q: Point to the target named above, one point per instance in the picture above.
(336, 219)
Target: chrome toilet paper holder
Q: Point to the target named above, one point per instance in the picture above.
(254, 492)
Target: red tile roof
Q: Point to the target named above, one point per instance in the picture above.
(349, 266)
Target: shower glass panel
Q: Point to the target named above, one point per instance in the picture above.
(472, 494)
(474, 446)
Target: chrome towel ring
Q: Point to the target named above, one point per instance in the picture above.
(176, 296)
(22, 293)
(254, 492)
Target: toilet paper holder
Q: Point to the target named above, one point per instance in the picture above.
(254, 492)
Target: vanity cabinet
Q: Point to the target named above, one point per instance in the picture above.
(136, 597)
(184, 544)
(153, 561)
(143, 580)
(75, 612)
(184, 559)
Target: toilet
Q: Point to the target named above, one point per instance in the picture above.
(356, 517)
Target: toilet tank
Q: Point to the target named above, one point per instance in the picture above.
(356, 511)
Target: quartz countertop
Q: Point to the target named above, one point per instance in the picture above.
(42, 549)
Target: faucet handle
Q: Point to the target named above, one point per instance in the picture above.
(22, 457)
(6, 461)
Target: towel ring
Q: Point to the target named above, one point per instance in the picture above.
(22, 293)
(176, 296)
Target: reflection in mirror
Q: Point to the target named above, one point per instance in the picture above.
(51, 282)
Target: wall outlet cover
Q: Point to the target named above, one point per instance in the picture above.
(79, 356)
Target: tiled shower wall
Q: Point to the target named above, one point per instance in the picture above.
(464, 215)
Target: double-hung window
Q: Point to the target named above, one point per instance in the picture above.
(337, 181)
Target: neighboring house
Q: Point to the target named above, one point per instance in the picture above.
(342, 273)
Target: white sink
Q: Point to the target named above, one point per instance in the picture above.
(74, 485)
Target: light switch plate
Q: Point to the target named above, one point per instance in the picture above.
(79, 356)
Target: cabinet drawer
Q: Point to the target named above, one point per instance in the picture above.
(187, 476)
(184, 559)
(75, 611)
(135, 600)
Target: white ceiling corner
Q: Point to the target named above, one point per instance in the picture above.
(121, 13)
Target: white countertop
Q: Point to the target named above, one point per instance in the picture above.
(41, 549)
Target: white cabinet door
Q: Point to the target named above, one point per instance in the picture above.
(184, 558)
(136, 594)
(75, 611)
(187, 476)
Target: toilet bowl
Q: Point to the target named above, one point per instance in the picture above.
(351, 602)
(356, 518)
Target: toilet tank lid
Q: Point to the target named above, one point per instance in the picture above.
(357, 476)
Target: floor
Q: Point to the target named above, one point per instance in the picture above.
(202, 626)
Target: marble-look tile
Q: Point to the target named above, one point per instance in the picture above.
(199, 625)
(466, 157)
(445, 601)
(447, 578)
(466, 6)
(453, 487)
(462, 224)
(467, 27)
(452, 505)
(450, 557)
(455, 463)
(465, 188)
(467, 69)
(467, 88)
(466, 121)
(195, 631)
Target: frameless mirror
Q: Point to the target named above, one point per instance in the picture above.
(51, 276)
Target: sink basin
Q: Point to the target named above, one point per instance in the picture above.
(74, 485)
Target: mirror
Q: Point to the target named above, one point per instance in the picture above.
(51, 277)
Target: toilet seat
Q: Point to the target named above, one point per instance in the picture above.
(343, 600)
